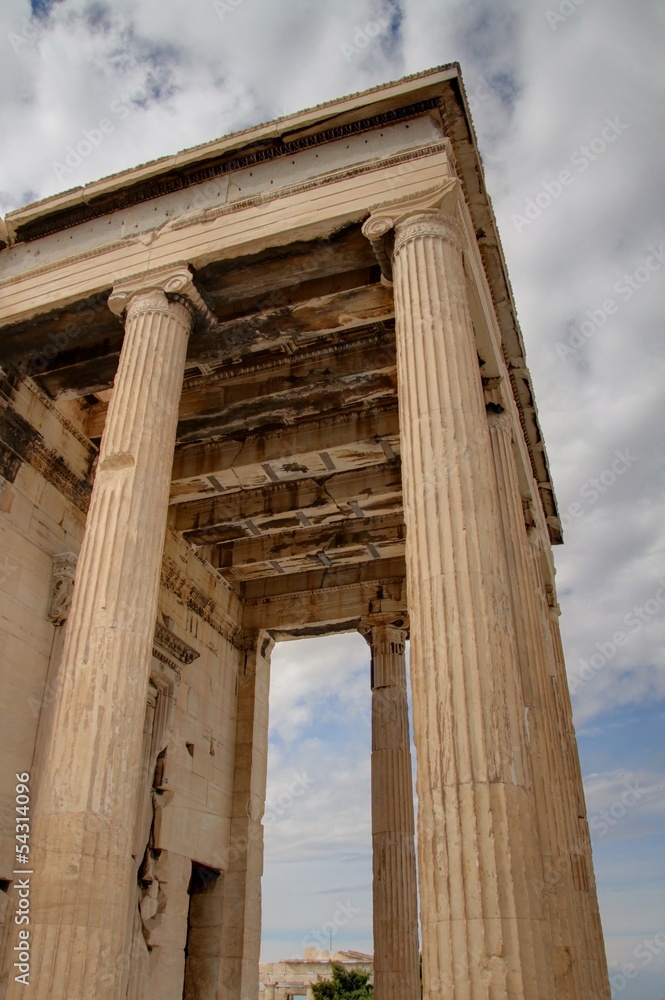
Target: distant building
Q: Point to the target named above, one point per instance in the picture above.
(295, 977)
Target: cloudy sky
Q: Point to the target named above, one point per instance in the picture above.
(568, 99)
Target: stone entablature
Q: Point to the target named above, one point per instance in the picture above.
(431, 95)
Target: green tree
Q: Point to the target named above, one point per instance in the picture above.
(346, 984)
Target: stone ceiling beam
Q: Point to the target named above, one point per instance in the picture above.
(284, 506)
(64, 367)
(277, 271)
(316, 447)
(282, 274)
(331, 611)
(303, 586)
(280, 409)
(358, 540)
(214, 392)
(345, 353)
(299, 323)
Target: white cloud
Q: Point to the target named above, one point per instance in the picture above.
(309, 676)
(625, 804)
(318, 837)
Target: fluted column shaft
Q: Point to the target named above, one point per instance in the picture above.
(479, 859)
(592, 949)
(84, 871)
(557, 800)
(395, 899)
(240, 943)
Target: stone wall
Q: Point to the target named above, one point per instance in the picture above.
(193, 806)
(45, 465)
(184, 793)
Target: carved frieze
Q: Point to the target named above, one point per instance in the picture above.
(62, 587)
(169, 640)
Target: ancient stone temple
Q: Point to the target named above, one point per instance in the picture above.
(271, 387)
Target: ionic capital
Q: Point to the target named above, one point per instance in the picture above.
(374, 625)
(389, 641)
(432, 223)
(385, 636)
(435, 214)
(388, 646)
(167, 290)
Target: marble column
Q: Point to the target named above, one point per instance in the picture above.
(395, 900)
(591, 952)
(557, 801)
(241, 917)
(84, 873)
(484, 932)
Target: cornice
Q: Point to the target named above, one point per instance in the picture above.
(196, 600)
(209, 214)
(228, 163)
